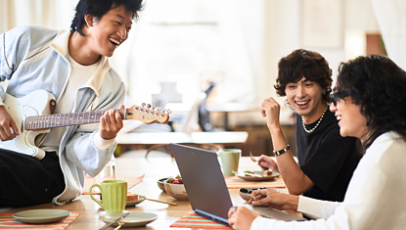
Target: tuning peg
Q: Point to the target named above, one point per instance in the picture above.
(168, 111)
(153, 107)
(148, 106)
(143, 104)
(163, 110)
(158, 109)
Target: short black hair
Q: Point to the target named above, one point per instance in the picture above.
(378, 85)
(303, 63)
(98, 8)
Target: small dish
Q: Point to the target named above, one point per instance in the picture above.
(259, 178)
(177, 191)
(161, 182)
(135, 202)
(41, 216)
(134, 219)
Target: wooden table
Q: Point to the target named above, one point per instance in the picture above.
(131, 165)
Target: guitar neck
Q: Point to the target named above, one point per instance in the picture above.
(140, 113)
(60, 120)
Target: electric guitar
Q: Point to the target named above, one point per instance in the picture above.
(32, 115)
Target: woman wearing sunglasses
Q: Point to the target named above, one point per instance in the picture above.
(369, 102)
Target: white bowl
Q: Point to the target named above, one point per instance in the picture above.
(177, 191)
(161, 183)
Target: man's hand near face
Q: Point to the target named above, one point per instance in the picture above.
(270, 109)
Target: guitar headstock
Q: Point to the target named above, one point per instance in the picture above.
(147, 114)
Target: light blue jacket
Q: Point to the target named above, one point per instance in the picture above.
(34, 58)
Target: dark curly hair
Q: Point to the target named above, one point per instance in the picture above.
(98, 8)
(378, 85)
(305, 63)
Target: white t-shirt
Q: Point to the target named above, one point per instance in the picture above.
(79, 75)
(375, 198)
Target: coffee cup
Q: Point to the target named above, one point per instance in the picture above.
(230, 159)
(114, 193)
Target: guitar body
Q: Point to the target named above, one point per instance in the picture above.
(33, 104)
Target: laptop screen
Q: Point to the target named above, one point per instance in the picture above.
(203, 179)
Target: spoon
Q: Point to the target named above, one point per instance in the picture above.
(159, 201)
(119, 225)
(252, 157)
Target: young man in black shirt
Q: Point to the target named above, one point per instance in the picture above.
(326, 160)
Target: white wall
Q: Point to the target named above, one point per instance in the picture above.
(282, 33)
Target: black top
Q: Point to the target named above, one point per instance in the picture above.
(327, 158)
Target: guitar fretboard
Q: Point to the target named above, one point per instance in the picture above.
(59, 120)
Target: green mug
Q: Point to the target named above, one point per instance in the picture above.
(230, 158)
(114, 193)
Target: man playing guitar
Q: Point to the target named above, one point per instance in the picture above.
(73, 66)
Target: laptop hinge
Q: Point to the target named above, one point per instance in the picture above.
(209, 216)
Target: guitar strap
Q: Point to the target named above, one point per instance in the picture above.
(41, 137)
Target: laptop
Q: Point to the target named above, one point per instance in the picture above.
(206, 188)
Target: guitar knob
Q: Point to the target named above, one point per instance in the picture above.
(168, 111)
(143, 104)
(148, 106)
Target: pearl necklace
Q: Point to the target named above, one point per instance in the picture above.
(318, 123)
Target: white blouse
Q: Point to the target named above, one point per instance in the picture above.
(375, 198)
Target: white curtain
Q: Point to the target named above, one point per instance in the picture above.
(239, 84)
(56, 14)
(391, 17)
(144, 44)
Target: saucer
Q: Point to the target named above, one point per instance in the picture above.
(134, 219)
(135, 202)
(41, 216)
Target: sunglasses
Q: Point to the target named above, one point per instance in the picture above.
(339, 95)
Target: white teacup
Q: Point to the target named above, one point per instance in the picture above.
(230, 159)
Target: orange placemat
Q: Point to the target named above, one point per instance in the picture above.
(7, 221)
(236, 182)
(131, 182)
(192, 220)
